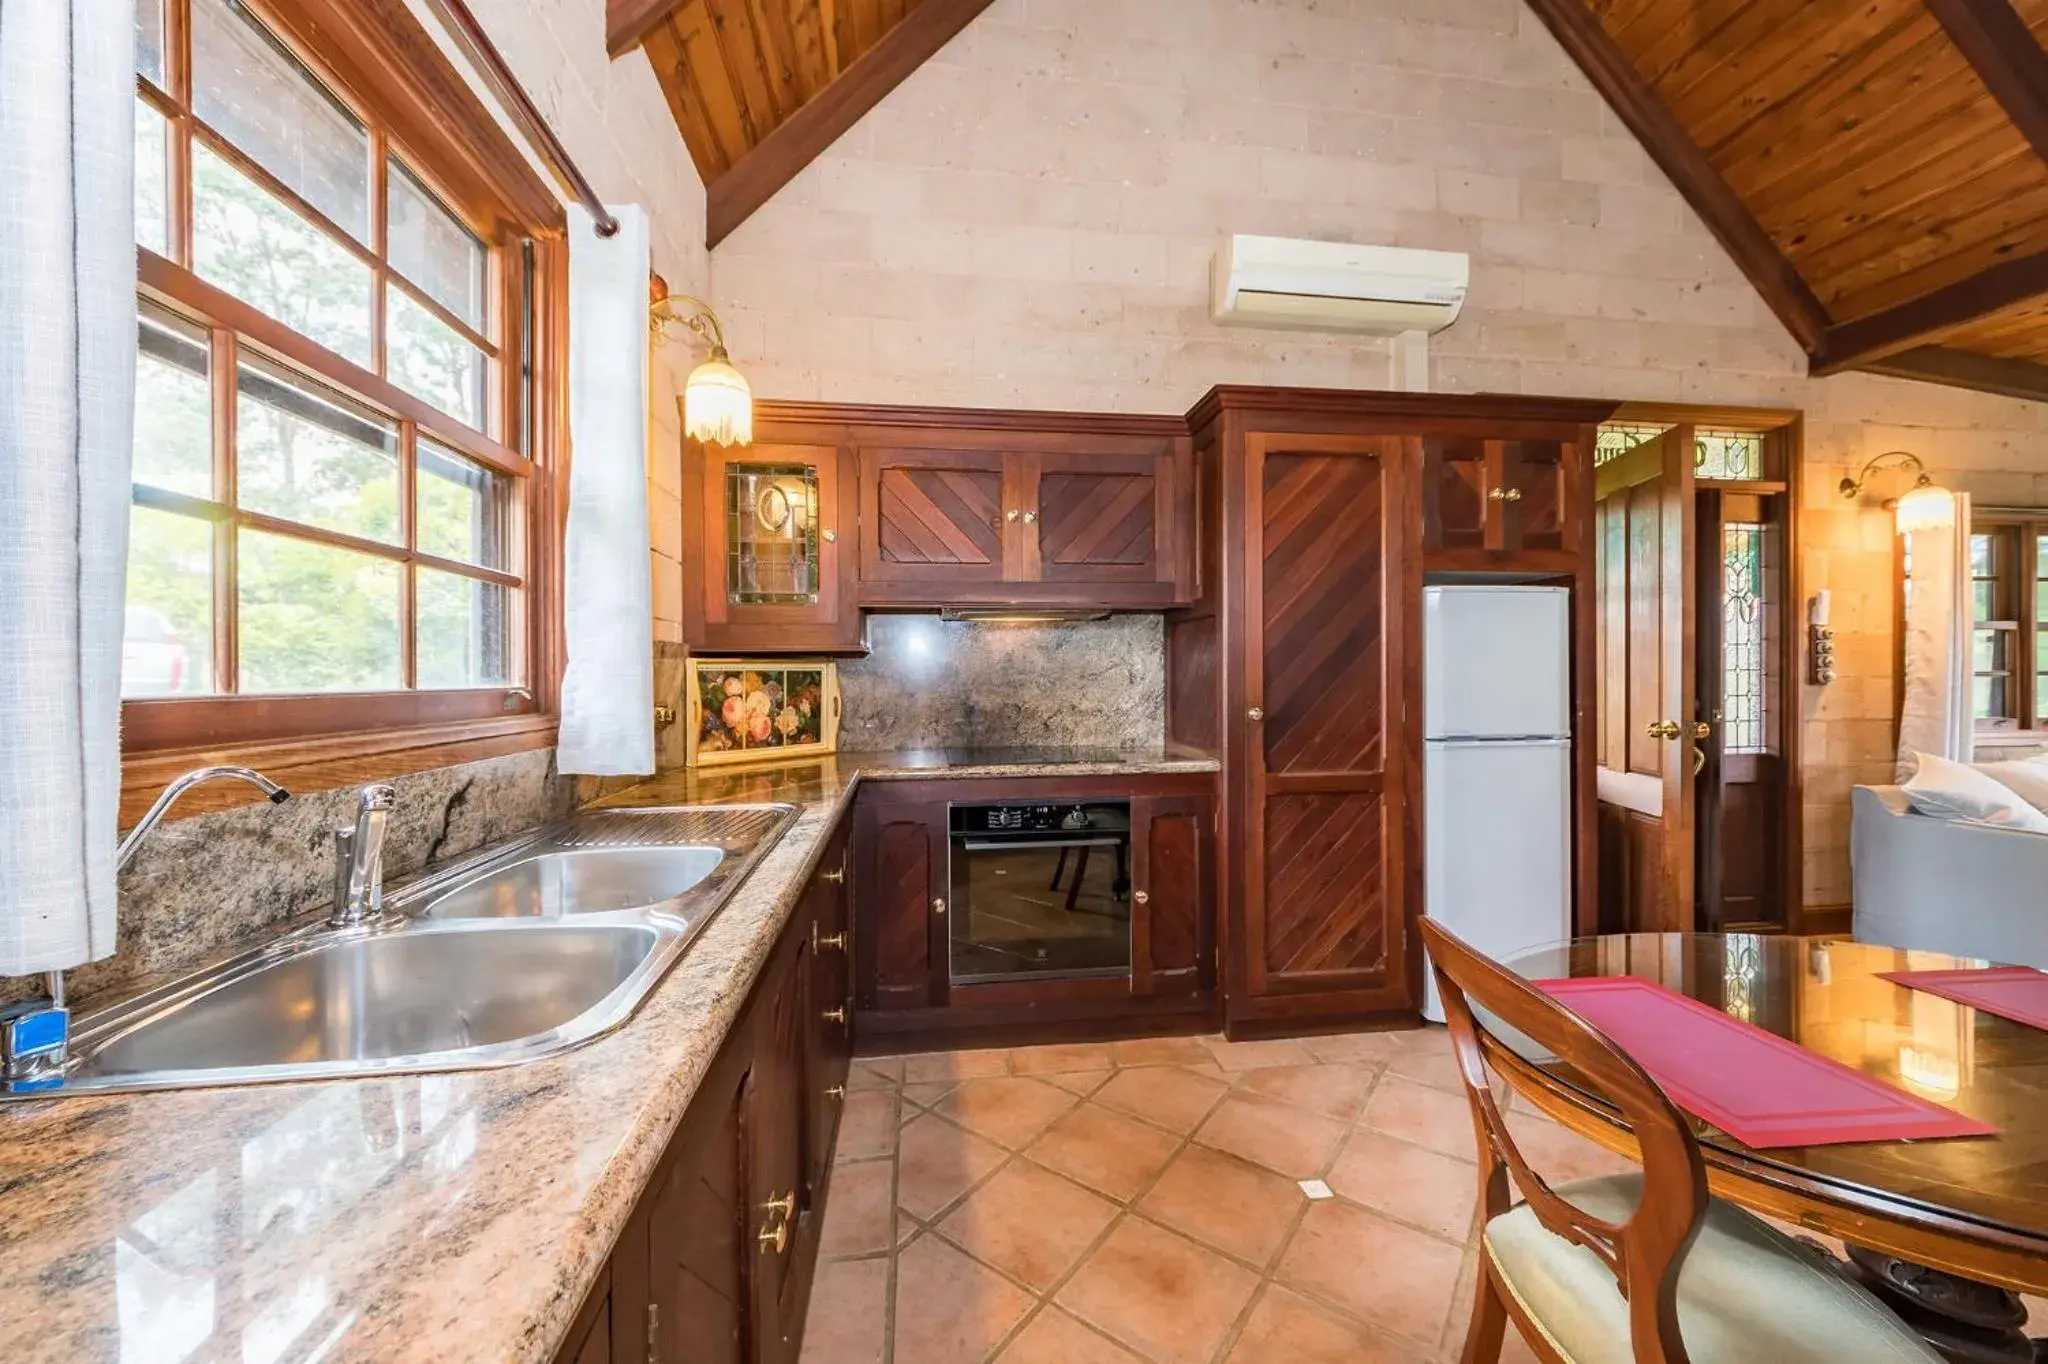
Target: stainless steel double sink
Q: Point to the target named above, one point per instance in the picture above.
(520, 952)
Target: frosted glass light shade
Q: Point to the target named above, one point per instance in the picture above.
(1925, 508)
(718, 404)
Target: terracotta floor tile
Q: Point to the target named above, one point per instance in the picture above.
(1427, 1188)
(1009, 1110)
(860, 1209)
(1428, 1037)
(1235, 1056)
(1161, 1294)
(1028, 1222)
(1559, 1155)
(1225, 1203)
(1335, 1089)
(955, 1065)
(849, 1313)
(1385, 1274)
(1437, 1069)
(925, 1093)
(1051, 1060)
(1363, 1047)
(1158, 1051)
(1081, 1082)
(950, 1310)
(1425, 1116)
(1284, 1139)
(1284, 1327)
(1174, 1097)
(1053, 1337)
(882, 1072)
(938, 1163)
(1109, 1153)
(867, 1125)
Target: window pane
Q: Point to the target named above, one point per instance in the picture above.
(268, 256)
(305, 454)
(1983, 598)
(464, 632)
(253, 92)
(1986, 656)
(149, 40)
(428, 359)
(1980, 556)
(152, 176)
(314, 618)
(464, 510)
(1987, 697)
(431, 248)
(173, 407)
(167, 632)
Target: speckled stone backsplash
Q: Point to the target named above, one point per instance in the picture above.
(931, 683)
(200, 886)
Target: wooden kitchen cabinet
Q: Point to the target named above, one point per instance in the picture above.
(715, 1263)
(1172, 905)
(899, 898)
(1502, 504)
(771, 528)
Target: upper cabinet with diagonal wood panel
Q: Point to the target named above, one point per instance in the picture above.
(758, 88)
(1879, 168)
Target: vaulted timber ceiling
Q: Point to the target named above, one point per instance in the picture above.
(759, 88)
(1878, 168)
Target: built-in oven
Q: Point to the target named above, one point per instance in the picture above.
(1040, 891)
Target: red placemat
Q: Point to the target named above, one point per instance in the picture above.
(1756, 1086)
(2016, 992)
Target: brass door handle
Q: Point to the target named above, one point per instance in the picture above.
(1663, 729)
(1699, 760)
(776, 1240)
(784, 1206)
(1701, 729)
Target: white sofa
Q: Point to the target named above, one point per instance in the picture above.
(1946, 885)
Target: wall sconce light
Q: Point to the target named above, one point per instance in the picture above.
(718, 403)
(1820, 641)
(1925, 505)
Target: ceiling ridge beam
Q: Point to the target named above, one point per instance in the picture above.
(1966, 369)
(804, 136)
(1997, 43)
(626, 22)
(1690, 172)
(1923, 320)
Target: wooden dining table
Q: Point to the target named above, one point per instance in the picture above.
(1949, 1231)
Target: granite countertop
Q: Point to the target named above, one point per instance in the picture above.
(427, 1217)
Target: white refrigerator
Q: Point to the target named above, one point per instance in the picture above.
(1497, 761)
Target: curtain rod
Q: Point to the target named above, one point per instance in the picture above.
(480, 50)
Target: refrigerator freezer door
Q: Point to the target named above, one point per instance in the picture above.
(1496, 662)
(1498, 821)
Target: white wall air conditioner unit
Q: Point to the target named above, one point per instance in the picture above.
(1335, 286)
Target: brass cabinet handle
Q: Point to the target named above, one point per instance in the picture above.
(831, 536)
(837, 940)
(1139, 897)
(835, 1091)
(835, 877)
(1030, 517)
(776, 1240)
(834, 1016)
(1012, 514)
(1504, 495)
(784, 1206)
(1663, 729)
(653, 1333)
(1255, 715)
(938, 906)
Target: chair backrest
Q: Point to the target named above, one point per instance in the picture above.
(1644, 1252)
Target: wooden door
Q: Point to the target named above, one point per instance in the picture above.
(1332, 603)
(696, 1236)
(1647, 647)
(771, 575)
(900, 942)
(777, 1138)
(929, 518)
(1172, 951)
(1097, 517)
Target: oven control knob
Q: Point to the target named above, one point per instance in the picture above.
(1076, 818)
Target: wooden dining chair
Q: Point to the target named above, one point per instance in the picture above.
(1636, 1267)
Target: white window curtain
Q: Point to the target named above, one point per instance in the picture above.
(67, 386)
(1936, 716)
(608, 610)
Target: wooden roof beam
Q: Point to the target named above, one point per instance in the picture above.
(1579, 32)
(861, 85)
(1997, 42)
(626, 22)
(1966, 369)
(1921, 321)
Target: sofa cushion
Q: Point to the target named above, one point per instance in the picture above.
(2028, 777)
(1953, 790)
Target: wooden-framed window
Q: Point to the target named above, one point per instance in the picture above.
(348, 360)
(2009, 603)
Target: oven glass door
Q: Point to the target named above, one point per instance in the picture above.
(1042, 905)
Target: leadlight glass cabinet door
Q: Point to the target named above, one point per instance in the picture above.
(774, 573)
